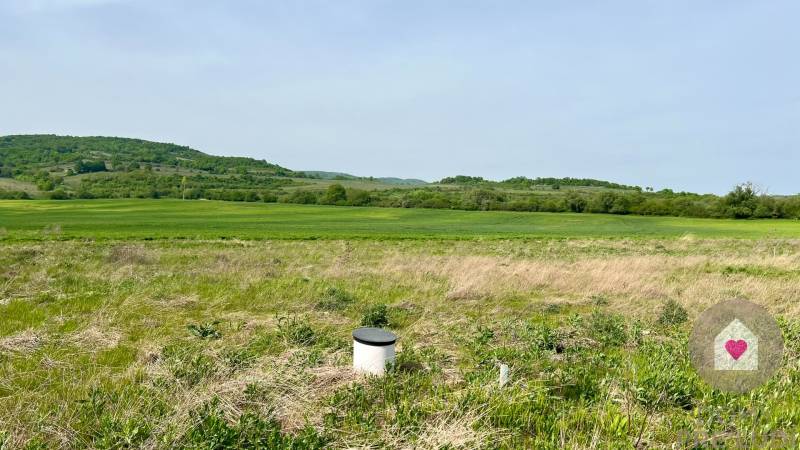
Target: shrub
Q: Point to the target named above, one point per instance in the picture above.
(59, 194)
(13, 195)
(90, 166)
(358, 197)
(376, 316)
(45, 185)
(672, 313)
(269, 197)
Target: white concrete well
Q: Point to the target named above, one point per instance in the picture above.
(373, 349)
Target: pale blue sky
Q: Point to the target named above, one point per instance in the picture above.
(693, 95)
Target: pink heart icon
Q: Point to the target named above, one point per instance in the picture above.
(736, 348)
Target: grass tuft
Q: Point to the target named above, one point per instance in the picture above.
(375, 316)
(334, 299)
(208, 330)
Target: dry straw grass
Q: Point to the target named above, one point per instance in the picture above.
(24, 342)
(129, 255)
(454, 431)
(636, 283)
(295, 393)
(95, 338)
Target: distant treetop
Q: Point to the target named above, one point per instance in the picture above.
(523, 182)
(463, 179)
(527, 183)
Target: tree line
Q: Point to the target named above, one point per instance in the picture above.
(742, 202)
(529, 183)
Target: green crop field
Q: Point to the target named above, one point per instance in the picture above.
(123, 219)
(221, 325)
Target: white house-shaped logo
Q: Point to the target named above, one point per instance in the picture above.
(736, 348)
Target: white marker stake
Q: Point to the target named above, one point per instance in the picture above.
(505, 374)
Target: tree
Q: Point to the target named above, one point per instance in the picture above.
(301, 197)
(90, 166)
(46, 185)
(742, 201)
(575, 202)
(358, 197)
(335, 194)
(59, 194)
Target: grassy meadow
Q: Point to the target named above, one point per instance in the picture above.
(176, 219)
(169, 324)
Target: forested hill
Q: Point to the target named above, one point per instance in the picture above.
(27, 155)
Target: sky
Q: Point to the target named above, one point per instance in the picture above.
(688, 95)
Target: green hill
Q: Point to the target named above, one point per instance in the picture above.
(27, 155)
(63, 167)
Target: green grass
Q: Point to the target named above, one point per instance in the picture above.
(246, 344)
(160, 219)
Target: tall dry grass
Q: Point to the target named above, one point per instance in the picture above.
(634, 284)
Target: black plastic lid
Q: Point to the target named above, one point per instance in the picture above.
(374, 336)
